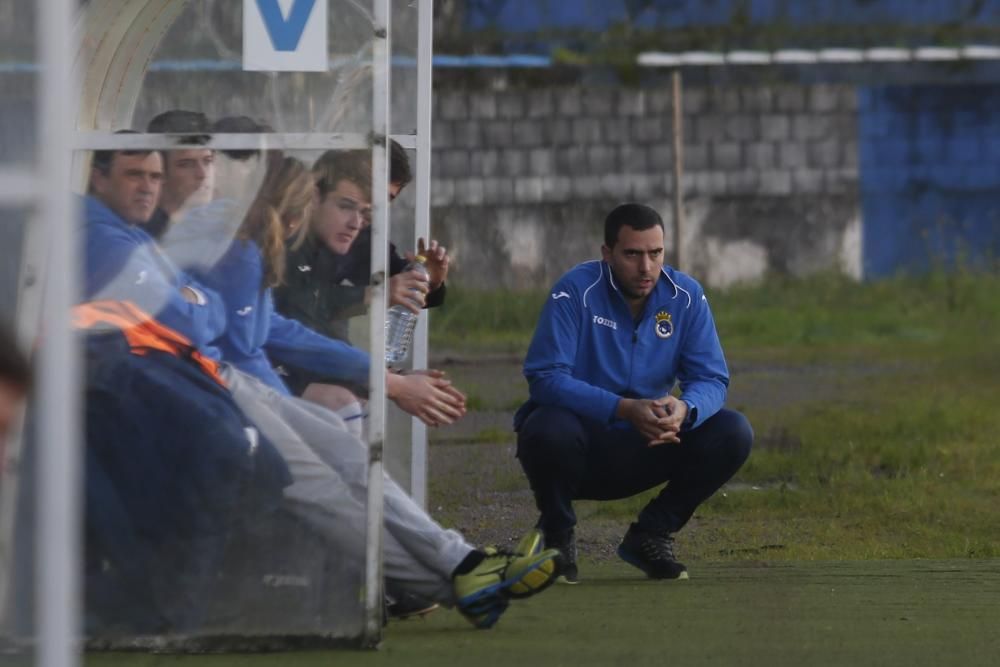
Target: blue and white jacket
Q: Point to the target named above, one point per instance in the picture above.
(204, 246)
(588, 353)
(123, 263)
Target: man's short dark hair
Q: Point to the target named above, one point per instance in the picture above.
(14, 367)
(193, 124)
(637, 216)
(179, 121)
(399, 165)
(103, 159)
(240, 125)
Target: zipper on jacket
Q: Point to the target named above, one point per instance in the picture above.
(631, 356)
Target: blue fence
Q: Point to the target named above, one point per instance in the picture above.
(534, 15)
(930, 176)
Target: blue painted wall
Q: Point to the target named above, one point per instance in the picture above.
(533, 15)
(930, 176)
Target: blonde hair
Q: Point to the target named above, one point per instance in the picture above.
(287, 195)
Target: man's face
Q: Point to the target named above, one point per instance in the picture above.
(131, 186)
(341, 215)
(189, 180)
(394, 190)
(636, 260)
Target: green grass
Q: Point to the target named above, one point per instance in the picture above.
(897, 455)
(903, 464)
(818, 315)
(832, 315)
(474, 321)
(874, 613)
(808, 558)
(491, 434)
(474, 402)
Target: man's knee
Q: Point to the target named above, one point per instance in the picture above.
(736, 433)
(331, 396)
(550, 434)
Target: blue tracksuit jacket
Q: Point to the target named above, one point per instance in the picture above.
(587, 352)
(123, 263)
(204, 246)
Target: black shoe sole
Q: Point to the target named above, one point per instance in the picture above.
(402, 615)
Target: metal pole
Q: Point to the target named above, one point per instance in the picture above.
(380, 261)
(59, 542)
(678, 140)
(425, 50)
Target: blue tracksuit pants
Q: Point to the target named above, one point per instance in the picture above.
(568, 457)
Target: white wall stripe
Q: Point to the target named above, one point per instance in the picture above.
(808, 57)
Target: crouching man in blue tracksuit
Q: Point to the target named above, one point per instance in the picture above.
(612, 340)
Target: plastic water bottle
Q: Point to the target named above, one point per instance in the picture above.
(400, 322)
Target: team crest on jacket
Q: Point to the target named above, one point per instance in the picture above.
(664, 324)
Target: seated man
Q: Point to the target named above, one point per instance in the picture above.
(405, 289)
(313, 292)
(189, 174)
(328, 466)
(601, 422)
(328, 276)
(202, 244)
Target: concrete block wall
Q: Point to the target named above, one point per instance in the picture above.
(559, 158)
(523, 177)
(785, 140)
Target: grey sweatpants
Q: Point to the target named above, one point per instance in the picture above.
(329, 470)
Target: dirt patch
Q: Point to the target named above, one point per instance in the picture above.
(476, 483)
(484, 494)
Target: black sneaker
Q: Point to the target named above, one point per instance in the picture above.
(566, 544)
(652, 553)
(407, 605)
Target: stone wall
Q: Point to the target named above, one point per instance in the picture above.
(524, 172)
(524, 175)
(522, 179)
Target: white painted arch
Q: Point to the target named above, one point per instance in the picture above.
(117, 42)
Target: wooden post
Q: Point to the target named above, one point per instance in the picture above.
(678, 146)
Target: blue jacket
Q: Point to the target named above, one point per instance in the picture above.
(588, 353)
(123, 263)
(162, 498)
(204, 245)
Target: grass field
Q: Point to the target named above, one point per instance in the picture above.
(862, 531)
(874, 407)
(811, 315)
(750, 613)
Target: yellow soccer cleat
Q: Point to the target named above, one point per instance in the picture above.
(530, 544)
(499, 576)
